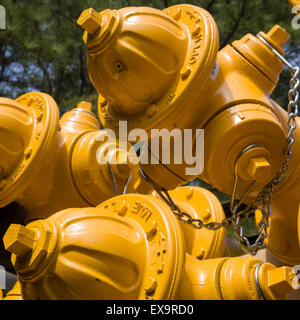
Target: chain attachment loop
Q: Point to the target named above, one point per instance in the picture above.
(114, 180)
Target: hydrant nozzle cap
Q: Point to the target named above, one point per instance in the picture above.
(84, 105)
(31, 246)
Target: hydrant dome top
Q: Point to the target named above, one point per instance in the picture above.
(142, 61)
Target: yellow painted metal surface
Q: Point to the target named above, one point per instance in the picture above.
(230, 93)
(45, 161)
(148, 81)
(240, 114)
(201, 204)
(126, 248)
(283, 229)
(129, 247)
(275, 283)
(155, 69)
(231, 279)
(14, 293)
(28, 127)
(299, 224)
(294, 2)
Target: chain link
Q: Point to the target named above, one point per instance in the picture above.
(181, 215)
(263, 201)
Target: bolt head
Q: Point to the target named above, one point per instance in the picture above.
(190, 194)
(27, 152)
(121, 208)
(200, 254)
(207, 214)
(196, 30)
(3, 184)
(176, 13)
(151, 110)
(185, 73)
(151, 229)
(150, 285)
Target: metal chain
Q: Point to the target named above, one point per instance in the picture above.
(114, 179)
(185, 217)
(264, 198)
(181, 215)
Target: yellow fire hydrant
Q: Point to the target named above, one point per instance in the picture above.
(47, 165)
(156, 70)
(130, 247)
(294, 3)
(179, 73)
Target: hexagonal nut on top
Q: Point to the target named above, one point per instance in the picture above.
(278, 35)
(30, 247)
(259, 169)
(19, 240)
(90, 20)
(280, 282)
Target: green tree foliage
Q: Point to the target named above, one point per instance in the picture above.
(42, 47)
